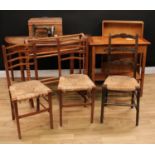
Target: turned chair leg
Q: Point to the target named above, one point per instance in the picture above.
(60, 106)
(104, 100)
(17, 119)
(137, 107)
(92, 105)
(50, 110)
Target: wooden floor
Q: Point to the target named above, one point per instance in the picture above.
(119, 126)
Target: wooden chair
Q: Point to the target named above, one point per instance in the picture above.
(121, 83)
(27, 90)
(74, 48)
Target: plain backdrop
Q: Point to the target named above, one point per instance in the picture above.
(15, 23)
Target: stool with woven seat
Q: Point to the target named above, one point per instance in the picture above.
(123, 84)
(26, 90)
(74, 48)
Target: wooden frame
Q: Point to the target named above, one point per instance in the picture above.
(19, 56)
(134, 93)
(74, 47)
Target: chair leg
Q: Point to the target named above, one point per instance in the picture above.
(132, 99)
(92, 104)
(137, 107)
(86, 98)
(17, 119)
(60, 106)
(50, 109)
(12, 108)
(106, 96)
(12, 111)
(104, 99)
(38, 104)
(31, 103)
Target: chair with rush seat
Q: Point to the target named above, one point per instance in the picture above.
(115, 83)
(74, 48)
(15, 57)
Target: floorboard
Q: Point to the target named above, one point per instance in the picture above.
(119, 126)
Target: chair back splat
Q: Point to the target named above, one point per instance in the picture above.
(73, 48)
(128, 60)
(43, 48)
(17, 57)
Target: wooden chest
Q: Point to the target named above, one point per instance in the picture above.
(120, 26)
(42, 26)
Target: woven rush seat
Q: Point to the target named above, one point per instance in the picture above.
(75, 82)
(121, 83)
(28, 89)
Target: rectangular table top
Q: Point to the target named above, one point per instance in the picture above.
(104, 40)
(93, 40)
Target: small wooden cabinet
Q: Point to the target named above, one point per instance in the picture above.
(44, 24)
(120, 26)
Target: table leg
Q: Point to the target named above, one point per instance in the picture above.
(86, 58)
(93, 64)
(143, 69)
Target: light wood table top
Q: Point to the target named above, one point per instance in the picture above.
(16, 39)
(93, 40)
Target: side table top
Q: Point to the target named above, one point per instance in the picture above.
(103, 40)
